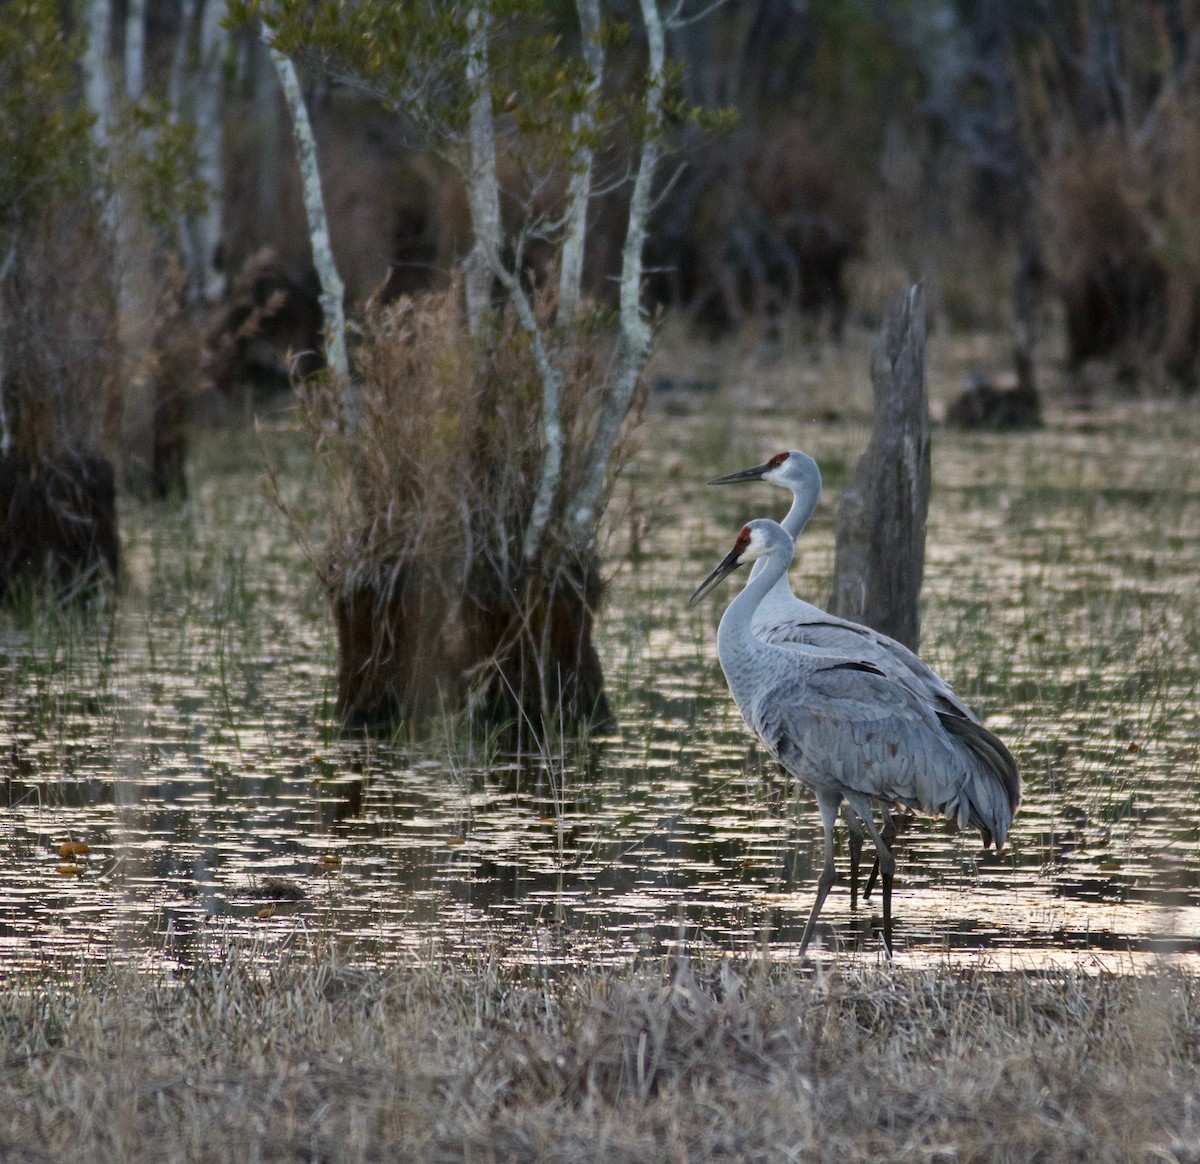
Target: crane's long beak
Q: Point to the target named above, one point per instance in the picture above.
(729, 563)
(755, 474)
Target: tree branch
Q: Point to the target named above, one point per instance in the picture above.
(633, 344)
(483, 187)
(332, 288)
(570, 278)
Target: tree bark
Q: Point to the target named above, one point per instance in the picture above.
(483, 188)
(210, 135)
(127, 239)
(570, 279)
(332, 289)
(879, 559)
(633, 344)
(97, 20)
(135, 49)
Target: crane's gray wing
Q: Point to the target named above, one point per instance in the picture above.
(1004, 792)
(813, 627)
(844, 724)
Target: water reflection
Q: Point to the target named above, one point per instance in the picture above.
(186, 743)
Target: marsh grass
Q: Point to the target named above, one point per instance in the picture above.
(441, 596)
(386, 1014)
(303, 1057)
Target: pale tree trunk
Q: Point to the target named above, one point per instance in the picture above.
(633, 345)
(135, 49)
(176, 84)
(483, 186)
(879, 559)
(97, 84)
(270, 145)
(210, 136)
(485, 263)
(570, 280)
(332, 288)
(127, 238)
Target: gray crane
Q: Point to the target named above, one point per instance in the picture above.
(784, 618)
(848, 731)
(781, 617)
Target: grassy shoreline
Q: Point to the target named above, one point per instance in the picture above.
(309, 1058)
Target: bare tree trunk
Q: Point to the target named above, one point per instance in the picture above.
(126, 237)
(633, 345)
(570, 278)
(97, 19)
(483, 187)
(332, 288)
(135, 49)
(879, 559)
(176, 83)
(1025, 303)
(210, 135)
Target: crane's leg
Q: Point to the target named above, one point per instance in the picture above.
(888, 833)
(854, 843)
(828, 803)
(887, 862)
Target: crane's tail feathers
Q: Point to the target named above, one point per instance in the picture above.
(992, 813)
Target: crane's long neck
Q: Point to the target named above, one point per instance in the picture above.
(737, 645)
(797, 517)
(803, 505)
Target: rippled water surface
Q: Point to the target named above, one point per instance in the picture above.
(170, 774)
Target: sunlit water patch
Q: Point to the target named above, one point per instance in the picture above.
(171, 776)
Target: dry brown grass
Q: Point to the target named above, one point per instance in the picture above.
(308, 1059)
(447, 452)
(437, 603)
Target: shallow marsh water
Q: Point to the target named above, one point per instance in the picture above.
(186, 741)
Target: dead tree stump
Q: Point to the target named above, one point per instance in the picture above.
(879, 558)
(408, 649)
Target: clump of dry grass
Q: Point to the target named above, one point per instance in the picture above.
(1119, 210)
(447, 451)
(434, 594)
(308, 1059)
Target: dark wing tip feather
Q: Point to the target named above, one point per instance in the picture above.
(991, 750)
(857, 665)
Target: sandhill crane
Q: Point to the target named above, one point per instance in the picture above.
(784, 618)
(781, 617)
(848, 731)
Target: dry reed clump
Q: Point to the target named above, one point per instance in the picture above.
(266, 332)
(431, 1061)
(448, 449)
(1120, 215)
(434, 596)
